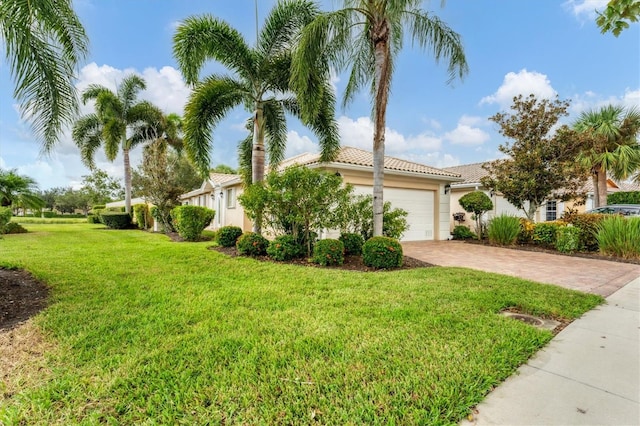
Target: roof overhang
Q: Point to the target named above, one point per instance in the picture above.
(369, 169)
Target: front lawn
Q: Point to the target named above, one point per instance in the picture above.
(147, 330)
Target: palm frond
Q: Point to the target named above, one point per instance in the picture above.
(275, 126)
(87, 135)
(283, 24)
(128, 90)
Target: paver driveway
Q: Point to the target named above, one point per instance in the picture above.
(597, 276)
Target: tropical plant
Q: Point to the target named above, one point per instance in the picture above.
(352, 243)
(609, 138)
(382, 253)
(228, 235)
(328, 252)
(190, 221)
(356, 216)
(540, 162)
(462, 232)
(252, 244)
(504, 229)
(285, 247)
(332, 40)
(116, 115)
(619, 236)
(260, 82)
(568, 239)
(478, 203)
(19, 191)
(44, 42)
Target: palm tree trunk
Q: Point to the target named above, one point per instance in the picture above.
(127, 180)
(257, 156)
(382, 70)
(602, 187)
(596, 193)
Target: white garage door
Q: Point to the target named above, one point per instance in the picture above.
(419, 205)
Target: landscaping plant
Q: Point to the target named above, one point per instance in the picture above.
(5, 216)
(227, 236)
(620, 236)
(285, 247)
(478, 203)
(568, 239)
(116, 220)
(356, 216)
(382, 253)
(190, 221)
(352, 243)
(328, 252)
(504, 229)
(544, 233)
(252, 244)
(588, 224)
(624, 197)
(462, 232)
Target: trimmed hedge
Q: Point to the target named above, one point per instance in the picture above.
(328, 252)
(143, 216)
(352, 243)
(252, 244)
(227, 236)
(285, 247)
(14, 228)
(382, 253)
(93, 218)
(627, 197)
(116, 220)
(190, 221)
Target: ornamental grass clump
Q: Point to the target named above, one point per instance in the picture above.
(227, 236)
(252, 244)
(382, 253)
(190, 221)
(285, 247)
(328, 252)
(620, 236)
(504, 229)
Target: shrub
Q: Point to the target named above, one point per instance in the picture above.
(5, 216)
(504, 229)
(116, 220)
(98, 206)
(356, 216)
(285, 247)
(143, 216)
(620, 236)
(352, 243)
(568, 239)
(190, 221)
(13, 228)
(462, 232)
(628, 197)
(252, 244)
(228, 235)
(526, 230)
(97, 214)
(476, 202)
(49, 215)
(328, 252)
(544, 233)
(382, 253)
(93, 218)
(588, 224)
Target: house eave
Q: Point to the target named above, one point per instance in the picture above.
(355, 167)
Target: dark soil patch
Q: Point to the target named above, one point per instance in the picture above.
(21, 297)
(351, 263)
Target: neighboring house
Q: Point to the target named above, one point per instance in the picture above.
(416, 188)
(120, 203)
(550, 210)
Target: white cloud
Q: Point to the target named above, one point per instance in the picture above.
(585, 9)
(299, 144)
(470, 120)
(521, 83)
(590, 100)
(466, 135)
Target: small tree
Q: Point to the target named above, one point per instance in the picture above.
(540, 162)
(478, 203)
(297, 201)
(357, 217)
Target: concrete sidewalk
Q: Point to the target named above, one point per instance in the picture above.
(589, 374)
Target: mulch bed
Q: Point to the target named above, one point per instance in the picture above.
(21, 297)
(351, 263)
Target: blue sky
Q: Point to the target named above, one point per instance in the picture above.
(544, 47)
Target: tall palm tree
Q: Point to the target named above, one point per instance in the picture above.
(119, 124)
(44, 42)
(366, 36)
(19, 191)
(260, 82)
(610, 145)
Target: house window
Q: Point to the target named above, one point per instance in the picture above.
(552, 210)
(231, 199)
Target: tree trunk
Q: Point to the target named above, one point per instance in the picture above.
(531, 211)
(127, 180)
(382, 77)
(602, 187)
(596, 193)
(257, 156)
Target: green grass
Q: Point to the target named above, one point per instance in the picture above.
(49, 221)
(157, 332)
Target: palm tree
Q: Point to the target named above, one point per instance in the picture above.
(260, 82)
(44, 42)
(119, 123)
(19, 191)
(610, 145)
(366, 36)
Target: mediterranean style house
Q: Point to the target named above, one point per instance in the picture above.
(421, 190)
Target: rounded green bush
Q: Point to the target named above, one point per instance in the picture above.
(568, 239)
(462, 232)
(93, 218)
(382, 253)
(190, 221)
(328, 252)
(252, 244)
(13, 228)
(285, 247)
(228, 235)
(352, 243)
(116, 220)
(5, 216)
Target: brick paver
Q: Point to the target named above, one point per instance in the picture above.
(597, 276)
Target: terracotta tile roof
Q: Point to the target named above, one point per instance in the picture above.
(359, 157)
(471, 173)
